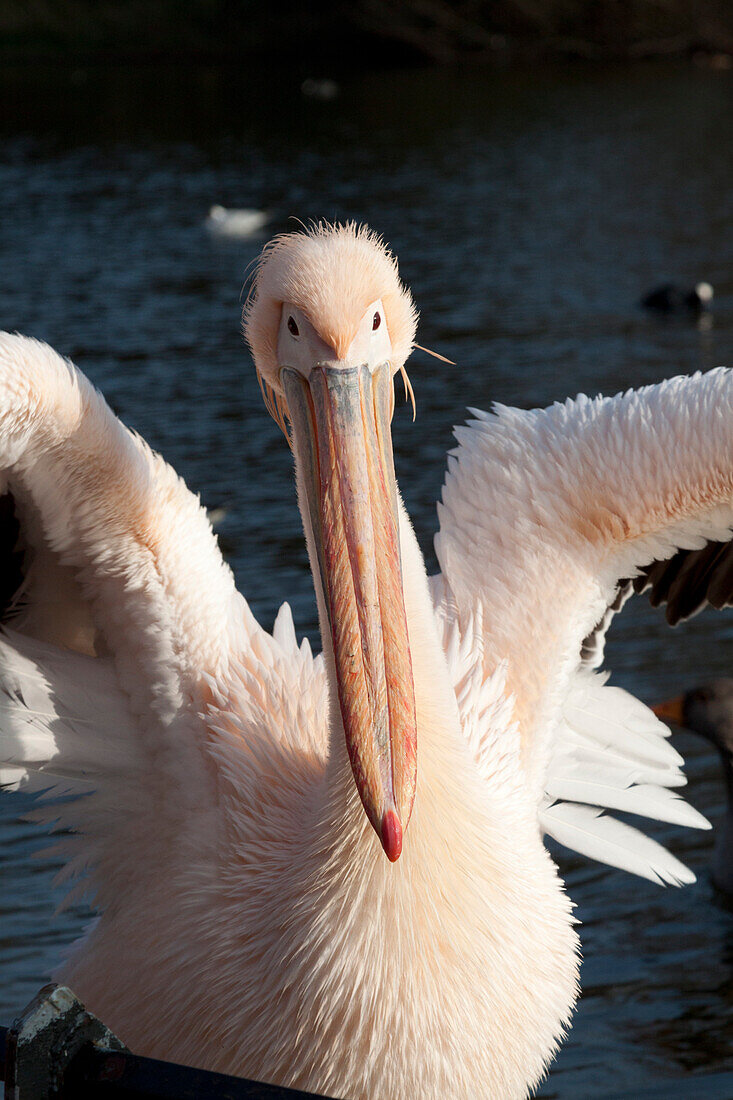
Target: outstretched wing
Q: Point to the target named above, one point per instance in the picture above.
(549, 520)
(124, 640)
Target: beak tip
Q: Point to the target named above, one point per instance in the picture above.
(391, 836)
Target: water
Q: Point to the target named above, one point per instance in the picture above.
(530, 210)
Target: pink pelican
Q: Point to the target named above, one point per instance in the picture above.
(329, 872)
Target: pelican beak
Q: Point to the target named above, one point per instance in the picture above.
(340, 419)
(671, 710)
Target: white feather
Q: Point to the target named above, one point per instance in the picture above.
(62, 714)
(576, 499)
(588, 830)
(612, 789)
(575, 750)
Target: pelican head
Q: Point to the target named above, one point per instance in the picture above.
(329, 324)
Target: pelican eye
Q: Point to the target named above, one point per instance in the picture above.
(376, 322)
(292, 327)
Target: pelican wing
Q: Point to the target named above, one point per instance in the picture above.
(549, 521)
(133, 676)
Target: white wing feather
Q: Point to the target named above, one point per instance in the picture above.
(130, 645)
(543, 515)
(588, 830)
(63, 718)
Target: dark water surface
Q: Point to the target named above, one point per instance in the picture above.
(530, 210)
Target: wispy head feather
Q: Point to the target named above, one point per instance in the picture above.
(332, 273)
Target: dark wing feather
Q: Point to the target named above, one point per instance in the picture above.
(686, 582)
(11, 555)
(591, 651)
(689, 580)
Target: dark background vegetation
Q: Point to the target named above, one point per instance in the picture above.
(354, 32)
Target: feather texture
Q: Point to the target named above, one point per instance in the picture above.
(588, 830)
(248, 921)
(575, 500)
(218, 796)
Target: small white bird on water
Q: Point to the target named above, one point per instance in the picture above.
(238, 790)
(238, 224)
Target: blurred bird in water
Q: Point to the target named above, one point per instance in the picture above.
(329, 873)
(673, 299)
(240, 224)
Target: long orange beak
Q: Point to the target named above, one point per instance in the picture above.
(671, 710)
(340, 418)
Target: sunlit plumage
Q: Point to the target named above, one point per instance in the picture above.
(249, 919)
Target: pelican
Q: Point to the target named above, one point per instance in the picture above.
(329, 872)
